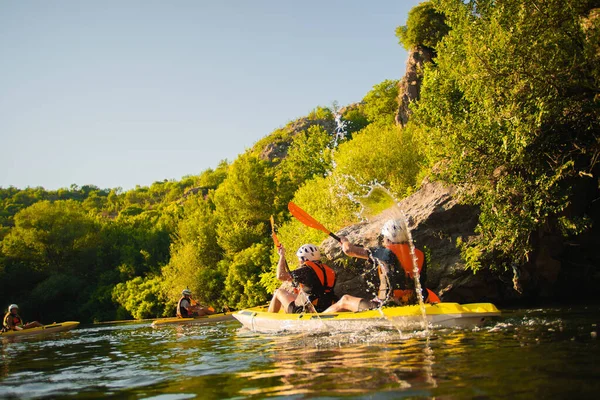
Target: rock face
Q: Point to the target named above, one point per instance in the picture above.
(277, 150)
(410, 85)
(559, 269)
(436, 220)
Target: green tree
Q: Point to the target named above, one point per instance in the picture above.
(195, 256)
(425, 26)
(55, 237)
(381, 103)
(243, 286)
(385, 154)
(511, 110)
(141, 297)
(308, 156)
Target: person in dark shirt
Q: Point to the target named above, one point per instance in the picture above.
(312, 283)
(396, 270)
(188, 308)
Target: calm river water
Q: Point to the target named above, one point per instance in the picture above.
(542, 353)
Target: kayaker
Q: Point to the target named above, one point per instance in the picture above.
(313, 281)
(188, 308)
(395, 269)
(14, 322)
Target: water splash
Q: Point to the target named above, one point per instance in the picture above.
(340, 134)
(377, 202)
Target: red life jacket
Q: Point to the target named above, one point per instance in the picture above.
(402, 253)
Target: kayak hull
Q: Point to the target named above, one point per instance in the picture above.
(43, 330)
(197, 320)
(406, 317)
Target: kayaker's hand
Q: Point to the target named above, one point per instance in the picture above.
(281, 251)
(345, 244)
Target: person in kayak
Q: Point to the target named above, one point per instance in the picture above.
(14, 322)
(188, 308)
(395, 269)
(313, 283)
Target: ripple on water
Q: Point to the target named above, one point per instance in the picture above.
(222, 361)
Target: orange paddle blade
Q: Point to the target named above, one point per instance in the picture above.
(307, 220)
(432, 298)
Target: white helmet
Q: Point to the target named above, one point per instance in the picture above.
(186, 292)
(12, 306)
(395, 231)
(308, 252)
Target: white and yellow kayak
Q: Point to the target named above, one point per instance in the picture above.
(406, 317)
(196, 320)
(42, 330)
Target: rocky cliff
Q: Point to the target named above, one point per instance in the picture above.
(436, 220)
(410, 85)
(559, 269)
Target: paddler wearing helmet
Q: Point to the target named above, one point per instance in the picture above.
(188, 308)
(395, 269)
(13, 321)
(313, 281)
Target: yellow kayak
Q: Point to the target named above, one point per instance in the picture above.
(406, 317)
(42, 330)
(196, 320)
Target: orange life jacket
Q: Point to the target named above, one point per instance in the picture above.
(16, 321)
(402, 253)
(325, 274)
(322, 297)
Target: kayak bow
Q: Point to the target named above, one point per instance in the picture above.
(197, 320)
(42, 330)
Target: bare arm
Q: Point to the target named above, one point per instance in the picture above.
(353, 250)
(283, 272)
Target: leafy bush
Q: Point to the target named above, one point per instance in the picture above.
(381, 103)
(142, 297)
(242, 285)
(383, 153)
(510, 110)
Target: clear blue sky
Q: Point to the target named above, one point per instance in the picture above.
(124, 93)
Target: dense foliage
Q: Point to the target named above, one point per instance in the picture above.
(508, 110)
(511, 108)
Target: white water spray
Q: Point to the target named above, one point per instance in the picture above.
(377, 200)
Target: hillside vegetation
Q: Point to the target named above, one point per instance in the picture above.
(508, 110)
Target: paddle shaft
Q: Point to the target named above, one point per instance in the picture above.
(309, 221)
(276, 240)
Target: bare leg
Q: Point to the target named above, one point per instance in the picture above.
(350, 303)
(281, 298)
(33, 324)
(202, 311)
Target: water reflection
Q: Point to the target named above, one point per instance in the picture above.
(543, 353)
(347, 364)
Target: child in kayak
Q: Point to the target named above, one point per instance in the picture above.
(188, 308)
(313, 282)
(14, 322)
(395, 268)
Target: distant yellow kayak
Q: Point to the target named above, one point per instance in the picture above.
(42, 330)
(406, 317)
(196, 320)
